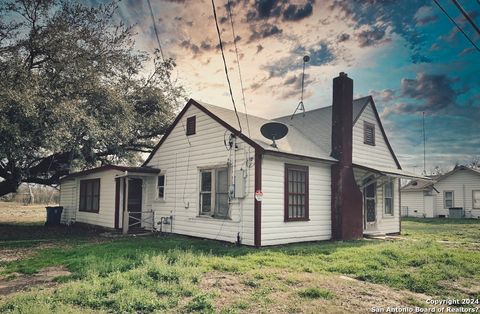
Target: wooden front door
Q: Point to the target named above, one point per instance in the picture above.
(370, 195)
(135, 202)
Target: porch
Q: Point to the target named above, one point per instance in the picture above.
(381, 201)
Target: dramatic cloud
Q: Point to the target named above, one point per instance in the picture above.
(427, 92)
(379, 16)
(371, 37)
(295, 12)
(436, 91)
(321, 54)
(383, 96)
(264, 30)
(343, 37)
(425, 15)
(265, 9)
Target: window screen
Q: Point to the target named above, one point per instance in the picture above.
(90, 195)
(214, 200)
(448, 199)
(388, 197)
(476, 199)
(296, 193)
(161, 187)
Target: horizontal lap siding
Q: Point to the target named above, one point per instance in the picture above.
(368, 155)
(414, 200)
(182, 175)
(388, 223)
(463, 196)
(70, 195)
(67, 200)
(274, 229)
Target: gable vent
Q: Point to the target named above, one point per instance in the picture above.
(369, 133)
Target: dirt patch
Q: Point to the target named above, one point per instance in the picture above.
(227, 287)
(19, 282)
(279, 292)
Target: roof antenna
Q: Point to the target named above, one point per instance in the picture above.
(300, 104)
(424, 140)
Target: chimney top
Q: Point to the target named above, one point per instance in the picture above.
(343, 74)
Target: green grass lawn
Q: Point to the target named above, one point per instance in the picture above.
(439, 258)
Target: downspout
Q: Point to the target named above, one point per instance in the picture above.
(400, 208)
(258, 204)
(125, 207)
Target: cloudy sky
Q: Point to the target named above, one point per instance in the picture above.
(407, 54)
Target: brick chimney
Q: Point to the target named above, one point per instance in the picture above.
(347, 217)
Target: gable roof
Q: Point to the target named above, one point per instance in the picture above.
(317, 124)
(308, 136)
(419, 186)
(294, 144)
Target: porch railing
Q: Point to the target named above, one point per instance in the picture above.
(146, 219)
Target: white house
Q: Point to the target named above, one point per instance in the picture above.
(458, 188)
(333, 176)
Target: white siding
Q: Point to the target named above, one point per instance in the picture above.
(368, 155)
(414, 201)
(388, 223)
(383, 223)
(70, 194)
(274, 229)
(68, 200)
(180, 163)
(463, 182)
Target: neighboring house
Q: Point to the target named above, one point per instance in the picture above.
(458, 188)
(333, 176)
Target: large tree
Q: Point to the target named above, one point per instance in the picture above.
(74, 91)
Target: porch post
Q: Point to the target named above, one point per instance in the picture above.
(125, 207)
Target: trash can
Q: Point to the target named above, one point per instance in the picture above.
(455, 212)
(54, 215)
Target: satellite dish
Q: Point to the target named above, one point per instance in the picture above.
(274, 131)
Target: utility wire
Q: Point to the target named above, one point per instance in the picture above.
(155, 29)
(225, 64)
(466, 15)
(229, 8)
(459, 28)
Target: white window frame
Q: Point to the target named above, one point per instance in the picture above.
(213, 194)
(473, 199)
(445, 199)
(157, 187)
(390, 181)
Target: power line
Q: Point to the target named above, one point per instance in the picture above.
(459, 28)
(229, 8)
(466, 15)
(225, 64)
(155, 29)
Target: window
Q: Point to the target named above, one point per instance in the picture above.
(296, 193)
(161, 187)
(214, 200)
(191, 125)
(476, 199)
(388, 197)
(448, 199)
(90, 195)
(369, 133)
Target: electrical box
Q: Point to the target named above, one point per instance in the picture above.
(240, 183)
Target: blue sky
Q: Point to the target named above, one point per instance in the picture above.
(407, 54)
